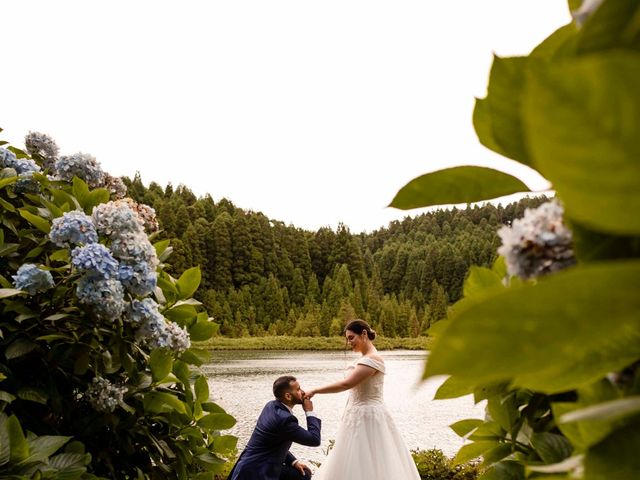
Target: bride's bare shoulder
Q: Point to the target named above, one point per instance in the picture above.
(376, 357)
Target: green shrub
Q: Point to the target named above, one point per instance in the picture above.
(435, 465)
(97, 375)
(550, 336)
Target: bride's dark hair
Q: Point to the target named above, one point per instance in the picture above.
(358, 326)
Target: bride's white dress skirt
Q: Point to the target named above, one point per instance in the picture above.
(368, 445)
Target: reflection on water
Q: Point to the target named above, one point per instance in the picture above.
(240, 382)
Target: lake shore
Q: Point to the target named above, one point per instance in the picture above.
(308, 343)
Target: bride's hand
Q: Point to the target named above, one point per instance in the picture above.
(309, 394)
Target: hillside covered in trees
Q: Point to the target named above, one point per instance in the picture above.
(260, 276)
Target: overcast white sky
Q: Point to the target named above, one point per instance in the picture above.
(314, 113)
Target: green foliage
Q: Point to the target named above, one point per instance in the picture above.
(457, 184)
(56, 350)
(434, 465)
(261, 277)
(557, 358)
(310, 343)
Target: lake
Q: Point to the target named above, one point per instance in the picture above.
(240, 381)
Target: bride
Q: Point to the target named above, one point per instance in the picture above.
(368, 443)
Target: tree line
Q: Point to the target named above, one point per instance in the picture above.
(263, 277)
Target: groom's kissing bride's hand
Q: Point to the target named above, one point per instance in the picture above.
(307, 405)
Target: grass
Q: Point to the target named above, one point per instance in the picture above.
(308, 343)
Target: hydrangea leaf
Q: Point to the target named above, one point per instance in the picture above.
(224, 443)
(564, 313)
(9, 292)
(38, 222)
(161, 362)
(17, 440)
(201, 387)
(189, 282)
(202, 330)
(217, 421)
(504, 97)
(616, 456)
(473, 450)
(581, 119)
(456, 185)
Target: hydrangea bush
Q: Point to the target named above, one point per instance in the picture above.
(550, 337)
(98, 375)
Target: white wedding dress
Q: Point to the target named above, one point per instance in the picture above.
(368, 444)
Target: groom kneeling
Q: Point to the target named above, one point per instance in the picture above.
(267, 456)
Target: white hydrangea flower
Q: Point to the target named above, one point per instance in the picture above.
(538, 243)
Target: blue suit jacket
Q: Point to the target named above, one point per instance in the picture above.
(268, 448)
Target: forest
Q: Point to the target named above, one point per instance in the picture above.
(263, 277)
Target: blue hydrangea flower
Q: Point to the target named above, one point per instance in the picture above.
(116, 218)
(43, 145)
(133, 248)
(105, 296)
(32, 279)
(142, 311)
(139, 279)
(156, 332)
(95, 259)
(81, 165)
(8, 159)
(73, 228)
(105, 396)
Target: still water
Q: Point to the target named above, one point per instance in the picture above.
(240, 382)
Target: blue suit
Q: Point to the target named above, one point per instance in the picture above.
(268, 448)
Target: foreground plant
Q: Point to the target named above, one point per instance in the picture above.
(551, 339)
(98, 378)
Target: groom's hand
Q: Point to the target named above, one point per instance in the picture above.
(301, 467)
(307, 405)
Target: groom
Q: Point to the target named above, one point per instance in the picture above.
(267, 456)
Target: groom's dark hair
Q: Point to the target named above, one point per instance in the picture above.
(282, 385)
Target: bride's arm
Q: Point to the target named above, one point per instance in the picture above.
(359, 373)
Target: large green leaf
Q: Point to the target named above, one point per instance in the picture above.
(224, 443)
(616, 23)
(483, 127)
(583, 434)
(217, 421)
(38, 222)
(560, 43)
(464, 427)
(454, 387)
(473, 450)
(568, 330)
(551, 447)
(161, 362)
(40, 448)
(504, 97)
(9, 292)
(189, 282)
(507, 470)
(456, 185)
(581, 118)
(201, 388)
(17, 440)
(202, 330)
(611, 410)
(161, 402)
(616, 457)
